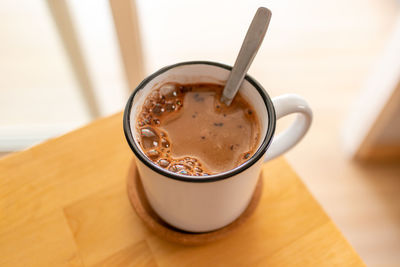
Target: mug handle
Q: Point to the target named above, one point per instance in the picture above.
(285, 105)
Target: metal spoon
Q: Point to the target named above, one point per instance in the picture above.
(252, 42)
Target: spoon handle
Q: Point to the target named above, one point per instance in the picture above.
(248, 51)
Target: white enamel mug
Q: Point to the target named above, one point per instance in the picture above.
(202, 204)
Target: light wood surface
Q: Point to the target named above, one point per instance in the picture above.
(64, 202)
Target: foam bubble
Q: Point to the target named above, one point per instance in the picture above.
(148, 104)
(170, 106)
(155, 95)
(153, 154)
(165, 143)
(163, 163)
(149, 138)
(169, 90)
(157, 109)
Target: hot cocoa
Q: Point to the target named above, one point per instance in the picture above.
(185, 129)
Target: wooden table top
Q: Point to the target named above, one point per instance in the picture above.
(64, 202)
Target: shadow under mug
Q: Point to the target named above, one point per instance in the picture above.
(207, 203)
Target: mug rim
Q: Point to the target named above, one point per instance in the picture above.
(209, 178)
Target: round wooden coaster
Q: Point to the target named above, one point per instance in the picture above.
(143, 209)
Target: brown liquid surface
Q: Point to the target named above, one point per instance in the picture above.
(186, 129)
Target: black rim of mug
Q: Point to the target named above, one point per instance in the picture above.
(209, 178)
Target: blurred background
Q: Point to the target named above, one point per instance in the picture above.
(65, 63)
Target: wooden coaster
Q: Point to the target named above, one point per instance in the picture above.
(143, 209)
